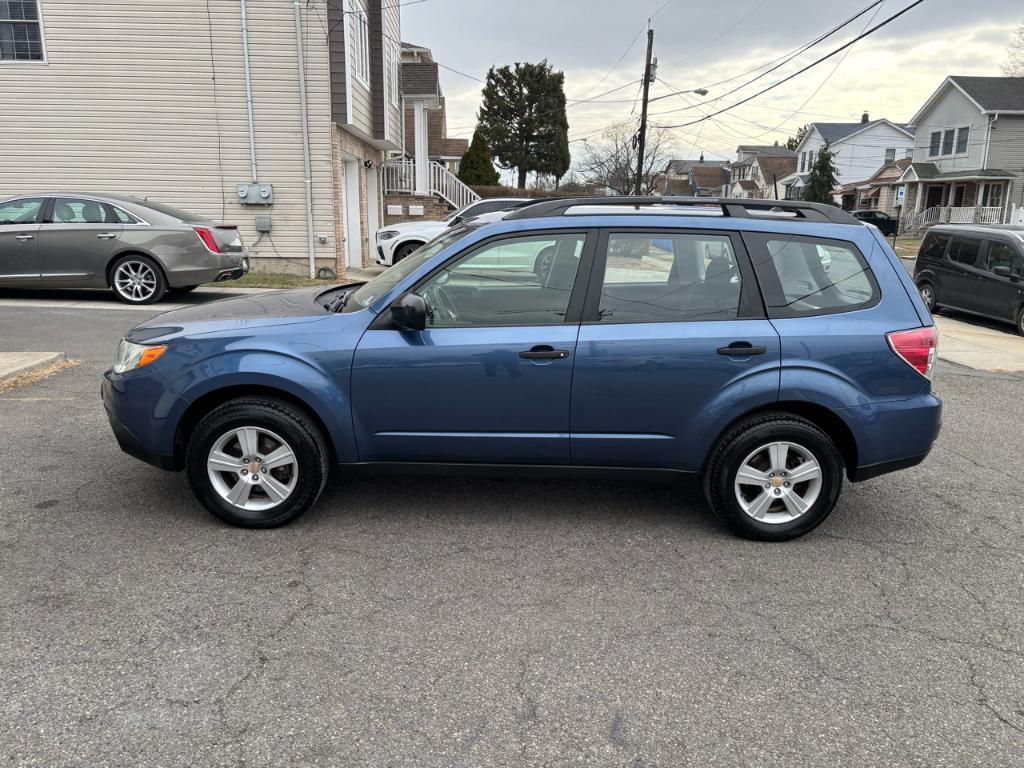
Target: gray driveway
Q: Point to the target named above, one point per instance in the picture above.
(435, 622)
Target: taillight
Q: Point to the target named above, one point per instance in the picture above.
(917, 348)
(208, 239)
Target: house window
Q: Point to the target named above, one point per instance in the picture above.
(396, 77)
(934, 143)
(962, 137)
(803, 159)
(360, 40)
(21, 38)
(947, 141)
(890, 155)
(992, 195)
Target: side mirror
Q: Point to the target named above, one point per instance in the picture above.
(410, 312)
(1001, 271)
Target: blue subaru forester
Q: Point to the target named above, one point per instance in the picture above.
(770, 347)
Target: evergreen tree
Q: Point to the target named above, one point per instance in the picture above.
(794, 141)
(477, 167)
(522, 117)
(824, 178)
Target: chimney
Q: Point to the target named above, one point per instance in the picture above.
(864, 118)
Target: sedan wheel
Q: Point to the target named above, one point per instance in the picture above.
(138, 280)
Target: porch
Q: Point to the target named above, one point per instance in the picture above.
(967, 198)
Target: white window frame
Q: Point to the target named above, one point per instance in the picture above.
(956, 140)
(360, 38)
(396, 74)
(42, 39)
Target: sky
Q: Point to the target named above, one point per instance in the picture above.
(600, 46)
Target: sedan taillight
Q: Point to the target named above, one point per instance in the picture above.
(208, 239)
(916, 348)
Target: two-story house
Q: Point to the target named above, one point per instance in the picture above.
(675, 180)
(757, 169)
(858, 150)
(275, 116)
(968, 160)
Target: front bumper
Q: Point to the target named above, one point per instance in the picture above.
(131, 419)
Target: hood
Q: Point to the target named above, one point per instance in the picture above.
(250, 309)
(416, 228)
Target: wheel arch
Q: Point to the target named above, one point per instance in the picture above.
(822, 417)
(108, 272)
(208, 401)
(409, 240)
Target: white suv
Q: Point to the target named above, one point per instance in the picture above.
(396, 242)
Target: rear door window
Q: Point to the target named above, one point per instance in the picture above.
(68, 210)
(964, 250)
(803, 276)
(669, 277)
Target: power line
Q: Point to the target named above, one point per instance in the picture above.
(809, 66)
(724, 32)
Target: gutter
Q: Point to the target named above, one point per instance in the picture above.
(307, 168)
(248, 90)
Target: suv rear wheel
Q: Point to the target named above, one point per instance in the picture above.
(774, 477)
(257, 462)
(1020, 321)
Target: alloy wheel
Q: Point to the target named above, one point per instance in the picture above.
(927, 296)
(778, 482)
(135, 280)
(252, 468)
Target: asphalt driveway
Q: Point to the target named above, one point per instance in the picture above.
(436, 622)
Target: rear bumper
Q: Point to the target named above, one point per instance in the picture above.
(893, 436)
(231, 267)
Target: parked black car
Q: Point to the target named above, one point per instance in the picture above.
(883, 221)
(977, 269)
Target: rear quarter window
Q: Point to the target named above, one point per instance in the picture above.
(934, 246)
(804, 276)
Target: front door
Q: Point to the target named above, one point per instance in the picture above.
(76, 239)
(933, 197)
(19, 233)
(1001, 295)
(672, 324)
(488, 380)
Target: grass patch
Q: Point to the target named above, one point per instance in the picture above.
(907, 247)
(31, 377)
(279, 280)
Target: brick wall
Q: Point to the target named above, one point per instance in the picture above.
(434, 209)
(344, 143)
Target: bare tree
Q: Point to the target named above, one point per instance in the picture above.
(1014, 64)
(612, 161)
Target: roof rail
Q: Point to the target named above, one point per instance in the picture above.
(752, 208)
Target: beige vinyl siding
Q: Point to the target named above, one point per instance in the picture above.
(393, 36)
(362, 104)
(127, 104)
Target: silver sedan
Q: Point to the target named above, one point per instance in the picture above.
(140, 249)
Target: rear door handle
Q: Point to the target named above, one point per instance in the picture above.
(741, 349)
(544, 352)
(24, 237)
(106, 235)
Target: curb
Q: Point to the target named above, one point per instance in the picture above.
(14, 364)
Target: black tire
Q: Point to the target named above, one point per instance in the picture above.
(746, 437)
(404, 250)
(293, 425)
(183, 289)
(926, 289)
(1020, 321)
(145, 264)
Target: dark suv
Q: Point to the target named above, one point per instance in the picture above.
(885, 223)
(976, 269)
(770, 348)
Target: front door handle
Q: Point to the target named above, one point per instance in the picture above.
(741, 349)
(106, 235)
(544, 352)
(24, 237)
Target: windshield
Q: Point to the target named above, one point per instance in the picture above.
(389, 278)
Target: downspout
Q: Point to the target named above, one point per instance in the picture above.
(305, 140)
(248, 91)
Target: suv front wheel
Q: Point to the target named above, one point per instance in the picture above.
(774, 477)
(257, 462)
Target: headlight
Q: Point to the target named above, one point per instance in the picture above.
(131, 356)
(387, 235)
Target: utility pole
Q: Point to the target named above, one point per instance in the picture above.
(642, 137)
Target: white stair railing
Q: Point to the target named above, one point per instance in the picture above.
(400, 176)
